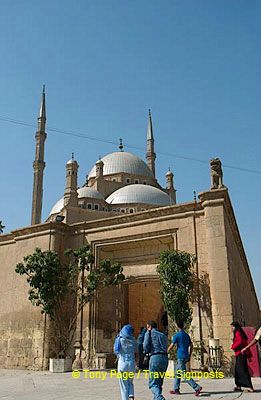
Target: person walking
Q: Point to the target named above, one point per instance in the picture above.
(156, 343)
(125, 346)
(140, 341)
(242, 376)
(184, 351)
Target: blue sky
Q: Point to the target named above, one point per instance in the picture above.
(196, 64)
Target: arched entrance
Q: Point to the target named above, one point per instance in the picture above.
(144, 303)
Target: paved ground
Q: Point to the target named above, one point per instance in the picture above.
(30, 385)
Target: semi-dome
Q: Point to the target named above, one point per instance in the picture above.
(87, 191)
(57, 207)
(84, 191)
(138, 193)
(122, 161)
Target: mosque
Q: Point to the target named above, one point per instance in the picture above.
(125, 215)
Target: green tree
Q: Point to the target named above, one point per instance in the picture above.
(61, 290)
(176, 284)
(2, 227)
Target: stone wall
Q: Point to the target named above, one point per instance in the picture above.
(21, 324)
(244, 300)
(23, 329)
(221, 301)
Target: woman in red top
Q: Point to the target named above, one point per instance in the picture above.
(242, 376)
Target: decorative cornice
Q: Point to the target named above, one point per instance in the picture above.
(155, 214)
(217, 194)
(34, 231)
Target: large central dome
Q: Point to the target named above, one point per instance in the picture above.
(121, 161)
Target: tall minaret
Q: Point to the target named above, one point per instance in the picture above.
(39, 164)
(150, 155)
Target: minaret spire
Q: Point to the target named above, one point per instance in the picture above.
(150, 129)
(39, 164)
(42, 112)
(150, 155)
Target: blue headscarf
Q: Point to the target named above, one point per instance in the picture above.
(126, 332)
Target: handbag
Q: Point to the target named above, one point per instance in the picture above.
(146, 359)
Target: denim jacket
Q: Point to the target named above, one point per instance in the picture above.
(157, 344)
(126, 357)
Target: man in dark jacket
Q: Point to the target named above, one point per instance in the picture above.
(156, 343)
(140, 341)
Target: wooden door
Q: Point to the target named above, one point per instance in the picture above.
(144, 304)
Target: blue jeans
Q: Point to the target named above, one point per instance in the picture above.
(126, 388)
(158, 363)
(181, 366)
(126, 385)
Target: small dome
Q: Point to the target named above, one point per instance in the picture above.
(87, 191)
(84, 191)
(140, 194)
(72, 161)
(121, 161)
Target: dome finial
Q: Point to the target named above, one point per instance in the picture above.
(72, 156)
(121, 145)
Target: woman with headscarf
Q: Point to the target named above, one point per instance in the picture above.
(242, 376)
(124, 347)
